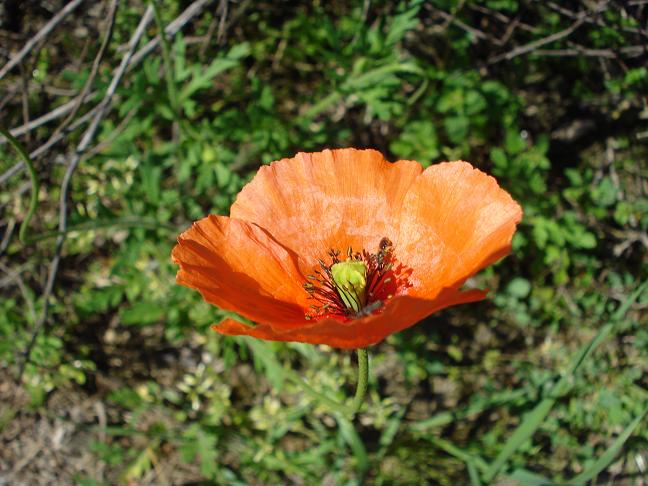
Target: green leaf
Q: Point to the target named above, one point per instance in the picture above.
(353, 440)
(266, 357)
(444, 418)
(585, 239)
(608, 456)
(528, 478)
(525, 430)
(532, 420)
(499, 158)
(207, 453)
(519, 287)
(456, 127)
(473, 474)
(605, 193)
(142, 313)
(142, 463)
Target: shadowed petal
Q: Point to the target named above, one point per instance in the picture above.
(401, 313)
(239, 267)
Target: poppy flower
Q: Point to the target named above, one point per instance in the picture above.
(343, 248)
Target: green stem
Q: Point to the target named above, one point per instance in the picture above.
(33, 202)
(333, 404)
(168, 64)
(363, 375)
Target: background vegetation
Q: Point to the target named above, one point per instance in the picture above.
(109, 373)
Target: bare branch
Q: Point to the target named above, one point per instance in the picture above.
(190, 12)
(500, 16)
(112, 12)
(114, 133)
(576, 51)
(65, 185)
(6, 237)
(569, 13)
(518, 51)
(451, 19)
(42, 120)
(18, 166)
(42, 34)
(194, 9)
(15, 276)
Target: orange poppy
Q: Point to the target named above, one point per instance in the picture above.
(343, 248)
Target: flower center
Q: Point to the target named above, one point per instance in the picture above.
(356, 286)
(349, 278)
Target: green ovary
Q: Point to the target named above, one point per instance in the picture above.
(349, 278)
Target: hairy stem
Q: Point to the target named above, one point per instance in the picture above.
(363, 375)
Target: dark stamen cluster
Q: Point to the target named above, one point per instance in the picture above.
(378, 265)
(379, 276)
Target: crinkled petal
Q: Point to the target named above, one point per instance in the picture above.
(331, 199)
(401, 313)
(239, 267)
(455, 221)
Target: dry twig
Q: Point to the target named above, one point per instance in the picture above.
(171, 29)
(112, 12)
(65, 185)
(531, 46)
(41, 35)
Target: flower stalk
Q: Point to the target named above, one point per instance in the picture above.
(363, 376)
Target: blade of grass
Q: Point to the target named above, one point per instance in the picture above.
(351, 437)
(33, 200)
(455, 451)
(608, 456)
(533, 420)
(479, 464)
(524, 431)
(166, 58)
(473, 474)
(444, 418)
(335, 406)
(277, 374)
(528, 478)
(387, 437)
(274, 370)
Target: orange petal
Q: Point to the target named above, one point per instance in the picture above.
(331, 199)
(401, 313)
(455, 221)
(240, 267)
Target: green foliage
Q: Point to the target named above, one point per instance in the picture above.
(475, 394)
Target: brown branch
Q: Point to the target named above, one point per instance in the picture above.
(573, 15)
(501, 17)
(114, 133)
(171, 29)
(67, 178)
(6, 237)
(112, 12)
(42, 120)
(451, 19)
(18, 166)
(518, 51)
(190, 12)
(15, 276)
(576, 51)
(41, 35)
